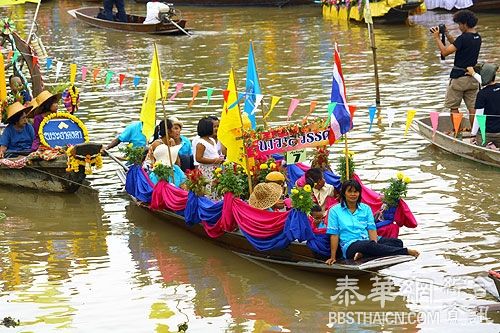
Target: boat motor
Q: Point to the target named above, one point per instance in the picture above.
(167, 13)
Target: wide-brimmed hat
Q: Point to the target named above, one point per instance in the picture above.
(265, 195)
(175, 121)
(488, 73)
(44, 98)
(275, 176)
(14, 109)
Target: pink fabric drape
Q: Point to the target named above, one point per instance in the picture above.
(258, 222)
(227, 222)
(167, 196)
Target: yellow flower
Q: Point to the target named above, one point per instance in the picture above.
(400, 175)
(301, 197)
(130, 145)
(407, 180)
(218, 170)
(156, 164)
(307, 188)
(226, 163)
(295, 191)
(263, 166)
(272, 165)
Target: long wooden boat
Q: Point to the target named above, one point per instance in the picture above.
(238, 3)
(48, 176)
(454, 145)
(296, 255)
(477, 5)
(382, 13)
(134, 24)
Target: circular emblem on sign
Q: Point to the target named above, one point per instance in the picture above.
(62, 129)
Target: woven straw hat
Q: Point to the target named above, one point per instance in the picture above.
(44, 98)
(265, 195)
(175, 121)
(275, 176)
(14, 109)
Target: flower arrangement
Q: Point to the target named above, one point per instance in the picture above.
(134, 155)
(196, 182)
(263, 167)
(231, 177)
(302, 198)
(342, 165)
(320, 158)
(397, 189)
(163, 171)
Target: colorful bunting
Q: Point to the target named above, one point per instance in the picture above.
(434, 122)
(481, 119)
(409, 118)
(72, 73)
(84, 73)
(196, 89)
(15, 56)
(209, 94)
(293, 105)
(59, 66)
(371, 112)
(121, 77)
(136, 81)
(48, 63)
(258, 100)
(109, 76)
(312, 107)
(331, 107)
(178, 87)
(391, 114)
(9, 55)
(456, 119)
(274, 101)
(475, 125)
(95, 72)
(34, 60)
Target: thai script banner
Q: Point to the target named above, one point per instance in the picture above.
(62, 132)
(284, 143)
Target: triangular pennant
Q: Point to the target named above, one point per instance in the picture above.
(166, 85)
(331, 107)
(178, 87)
(434, 122)
(456, 118)
(121, 77)
(475, 125)
(72, 73)
(9, 55)
(34, 60)
(391, 114)
(15, 56)
(84, 73)
(48, 63)
(409, 118)
(109, 76)
(136, 81)
(293, 105)
(352, 109)
(274, 101)
(481, 120)
(225, 94)
(95, 72)
(258, 100)
(59, 66)
(371, 112)
(196, 89)
(210, 91)
(241, 95)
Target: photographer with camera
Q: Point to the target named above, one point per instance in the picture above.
(467, 47)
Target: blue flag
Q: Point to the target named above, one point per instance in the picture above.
(252, 87)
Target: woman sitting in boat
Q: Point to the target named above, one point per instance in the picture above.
(351, 225)
(185, 153)
(18, 136)
(44, 104)
(166, 152)
(323, 194)
(266, 196)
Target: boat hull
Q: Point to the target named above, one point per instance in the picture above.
(88, 15)
(238, 3)
(451, 144)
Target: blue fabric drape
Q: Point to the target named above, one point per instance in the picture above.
(294, 173)
(137, 185)
(202, 209)
(297, 227)
(320, 244)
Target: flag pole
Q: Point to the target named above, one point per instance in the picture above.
(34, 22)
(369, 21)
(346, 148)
(261, 101)
(164, 111)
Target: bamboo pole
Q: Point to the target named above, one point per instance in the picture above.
(375, 64)
(164, 111)
(346, 148)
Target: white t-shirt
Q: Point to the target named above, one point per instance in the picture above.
(153, 9)
(210, 149)
(194, 142)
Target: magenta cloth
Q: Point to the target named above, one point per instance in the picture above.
(257, 222)
(369, 196)
(227, 222)
(314, 228)
(389, 231)
(167, 196)
(37, 120)
(404, 216)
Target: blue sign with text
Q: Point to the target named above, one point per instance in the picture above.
(62, 132)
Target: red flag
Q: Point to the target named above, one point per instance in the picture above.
(121, 77)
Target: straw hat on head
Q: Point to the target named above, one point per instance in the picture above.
(175, 121)
(265, 195)
(44, 98)
(275, 176)
(14, 109)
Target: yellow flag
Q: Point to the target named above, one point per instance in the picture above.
(3, 84)
(274, 101)
(16, 2)
(153, 93)
(409, 119)
(230, 125)
(72, 73)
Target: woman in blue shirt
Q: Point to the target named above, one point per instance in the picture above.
(18, 136)
(351, 225)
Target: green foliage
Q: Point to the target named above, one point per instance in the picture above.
(302, 198)
(163, 171)
(134, 155)
(231, 177)
(342, 165)
(397, 189)
(196, 182)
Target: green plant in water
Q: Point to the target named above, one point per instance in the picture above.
(163, 171)
(134, 155)
(397, 189)
(302, 198)
(342, 165)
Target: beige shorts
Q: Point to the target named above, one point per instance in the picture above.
(466, 88)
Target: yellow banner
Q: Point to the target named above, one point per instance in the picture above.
(16, 2)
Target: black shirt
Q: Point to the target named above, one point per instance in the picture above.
(488, 99)
(468, 45)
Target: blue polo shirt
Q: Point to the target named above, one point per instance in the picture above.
(186, 146)
(350, 227)
(17, 140)
(133, 134)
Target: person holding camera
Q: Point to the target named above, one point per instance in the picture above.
(466, 48)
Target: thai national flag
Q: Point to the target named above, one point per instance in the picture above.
(340, 119)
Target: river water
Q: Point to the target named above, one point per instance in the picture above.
(95, 262)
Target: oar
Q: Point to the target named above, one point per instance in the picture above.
(114, 158)
(179, 27)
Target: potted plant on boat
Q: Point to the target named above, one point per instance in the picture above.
(133, 155)
(346, 163)
(231, 177)
(302, 199)
(196, 182)
(163, 172)
(398, 187)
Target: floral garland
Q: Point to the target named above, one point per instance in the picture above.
(71, 98)
(61, 115)
(7, 26)
(75, 161)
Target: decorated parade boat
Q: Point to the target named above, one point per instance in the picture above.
(168, 26)
(458, 146)
(474, 5)
(246, 3)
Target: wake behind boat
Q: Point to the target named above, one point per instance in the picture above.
(134, 23)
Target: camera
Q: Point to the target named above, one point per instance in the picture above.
(442, 28)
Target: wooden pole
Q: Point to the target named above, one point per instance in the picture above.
(33, 23)
(375, 65)
(164, 112)
(346, 148)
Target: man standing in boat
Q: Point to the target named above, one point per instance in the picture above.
(466, 48)
(121, 15)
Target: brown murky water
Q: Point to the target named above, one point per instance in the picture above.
(95, 262)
